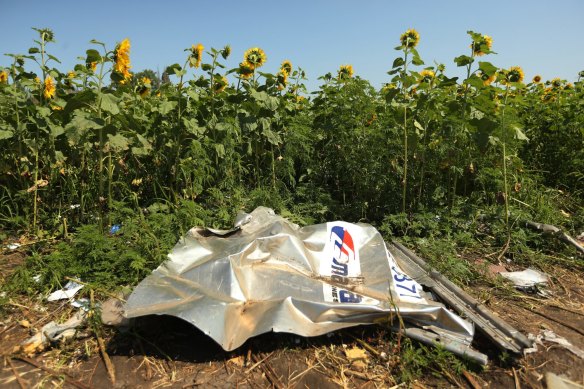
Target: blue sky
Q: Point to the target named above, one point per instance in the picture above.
(544, 37)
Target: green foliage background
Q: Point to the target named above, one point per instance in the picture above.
(426, 157)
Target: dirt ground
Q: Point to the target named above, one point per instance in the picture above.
(162, 351)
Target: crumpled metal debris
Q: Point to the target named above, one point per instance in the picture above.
(267, 274)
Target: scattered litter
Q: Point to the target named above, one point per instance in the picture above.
(70, 290)
(554, 381)
(24, 323)
(52, 332)
(550, 336)
(114, 229)
(237, 360)
(37, 278)
(82, 303)
(358, 357)
(13, 246)
(528, 280)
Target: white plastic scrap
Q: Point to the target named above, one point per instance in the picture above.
(70, 290)
(528, 280)
(551, 336)
(13, 246)
(53, 332)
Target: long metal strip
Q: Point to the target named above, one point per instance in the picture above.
(500, 332)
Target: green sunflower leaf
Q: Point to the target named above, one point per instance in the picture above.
(463, 60)
(109, 103)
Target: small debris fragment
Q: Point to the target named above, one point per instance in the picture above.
(51, 332)
(358, 357)
(24, 323)
(70, 290)
(554, 381)
(237, 360)
(528, 280)
(551, 336)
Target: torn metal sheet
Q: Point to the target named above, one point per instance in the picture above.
(268, 274)
(500, 332)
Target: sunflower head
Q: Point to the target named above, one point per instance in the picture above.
(254, 57)
(286, 67)
(410, 38)
(196, 55)
(345, 72)
(71, 75)
(387, 87)
(481, 45)
(91, 66)
(49, 89)
(568, 86)
(514, 74)
(548, 95)
(220, 85)
(46, 34)
(4, 77)
(226, 52)
(536, 79)
(282, 79)
(144, 87)
(487, 80)
(556, 82)
(245, 71)
(427, 75)
(122, 61)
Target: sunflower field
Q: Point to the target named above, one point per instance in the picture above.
(113, 166)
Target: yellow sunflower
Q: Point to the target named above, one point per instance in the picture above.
(549, 95)
(219, 86)
(487, 80)
(254, 57)
(196, 55)
(514, 74)
(556, 82)
(387, 87)
(478, 47)
(537, 79)
(4, 77)
(122, 60)
(144, 87)
(410, 38)
(226, 52)
(49, 91)
(427, 75)
(282, 79)
(345, 72)
(71, 75)
(245, 71)
(286, 67)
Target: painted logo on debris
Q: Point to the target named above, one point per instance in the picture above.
(341, 264)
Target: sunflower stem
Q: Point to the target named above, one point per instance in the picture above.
(405, 169)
